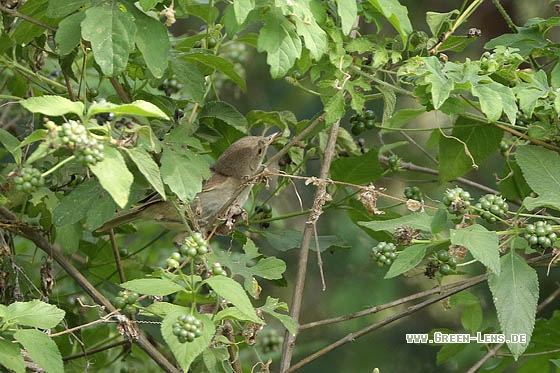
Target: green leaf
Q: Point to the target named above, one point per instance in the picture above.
(11, 357)
(541, 168)
(439, 22)
(482, 244)
(420, 221)
(63, 8)
(402, 117)
(153, 42)
(68, 236)
(515, 292)
(279, 39)
(335, 108)
(41, 348)
(231, 291)
(225, 112)
(185, 353)
(112, 32)
(114, 176)
(241, 9)
(26, 31)
(183, 172)
(494, 99)
(270, 307)
(148, 167)
(471, 318)
(396, 14)
(53, 105)
(348, 11)
(78, 203)
(357, 170)
(68, 34)
(192, 79)
(148, 4)
(139, 107)
(11, 143)
(34, 313)
(481, 142)
(448, 351)
(409, 258)
(219, 64)
(529, 93)
(550, 200)
(314, 37)
(152, 286)
(439, 222)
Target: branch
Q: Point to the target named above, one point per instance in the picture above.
(295, 307)
(32, 233)
(17, 14)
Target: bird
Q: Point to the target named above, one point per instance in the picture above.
(239, 162)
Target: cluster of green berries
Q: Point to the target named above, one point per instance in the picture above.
(505, 148)
(394, 162)
(384, 253)
(125, 300)
(362, 122)
(75, 136)
(494, 206)
(540, 234)
(187, 328)
(447, 263)
(457, 201)
(262, 212)
(170, 86)
(271, 341)
(413, 192)
(194, 245)
(28, 179)
(208, 43)
(217, 270)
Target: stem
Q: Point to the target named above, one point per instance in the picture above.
(17, 14)
(58, 165)
(382, 82)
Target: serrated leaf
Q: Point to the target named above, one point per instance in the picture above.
(112, 32)
(152, 286)
(34, 313)
(148, 167)
(41, 348)
(409, 258)
(114, 176)
(68, 34)
(396, 14)
(11, 357)
(494, 99)
(402, 117)
(515, 292)
(77, 204)
(153, 42)
(11, 143)
(481, 142)
(335, 108)
(53, 105)
(420, 221)
(185, 353)
(241, 9)
(183, 172)
(389, 103)
(550, 200)
(541, 168)
(357, 170)
(219, 64)
(271, 306)
(348, 11)
(225, 112)
(439, 22)
(471, 318)
(482, 244)
(231, 291)
(314, 37)
(139, 107)
(279, 39)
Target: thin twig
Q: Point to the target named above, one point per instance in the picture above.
(117, 255)
(120, 90)
(96, 350)
(297, 298)
(31, 233)
(488, 355)
(25, 17)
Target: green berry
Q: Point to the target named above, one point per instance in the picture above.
(358, 128)
(445, 269)
(443, 255)
(176, 256)
(119, 302)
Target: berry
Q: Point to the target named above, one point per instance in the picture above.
(172, 263)
(384, 253)
(540, 234)
(217, 270)
(176, 256)
(129, 309)
(28, 179)
(119, 302)
(413, 192)
(457, 201)
(445, 269)
(211, 43)
(394, 162)
(443, 256)
(358, 128)
(452, 261)
(297, 75)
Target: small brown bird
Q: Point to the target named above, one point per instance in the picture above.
(238, 162)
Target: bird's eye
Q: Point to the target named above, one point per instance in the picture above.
(260, 151)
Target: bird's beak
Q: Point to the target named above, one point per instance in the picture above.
(274, 136)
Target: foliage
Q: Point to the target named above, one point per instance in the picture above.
(104, 106)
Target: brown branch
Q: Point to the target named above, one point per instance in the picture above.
(297, 298)
(117, 255)
(33, 234)
(17, 14)
(488, 355)
(96, 350)
(120, 90)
